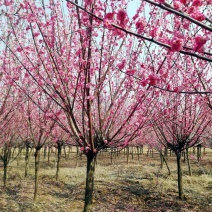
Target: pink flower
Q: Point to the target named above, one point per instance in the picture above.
(108, 19)
(153, 78)
(198, 16)
(130, 72)
(122, 18)
(19, 49)
(144, 83)
(69, 5)
(199, 43)
(8, 3)
(197, 3)
(178, 5)
(122, 64)
(183, 1)
(154, 32)
(140, 25)
(109, 16)
(161, 1)
(176, 44)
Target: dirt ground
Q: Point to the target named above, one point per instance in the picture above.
(140, 185)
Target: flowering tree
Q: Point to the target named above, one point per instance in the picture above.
(100, 66)
(181, 126)
(9, 124)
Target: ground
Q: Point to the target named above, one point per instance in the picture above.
(139, 185)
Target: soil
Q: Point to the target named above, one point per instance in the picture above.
(139, 185)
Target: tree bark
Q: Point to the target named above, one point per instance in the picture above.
(5, 173)
(188, 162)
(59, 149)
(180, 176)
(27, 161)
(49, 151)
(89, 182)
(37, 158)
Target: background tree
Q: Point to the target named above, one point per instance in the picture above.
(182, 125)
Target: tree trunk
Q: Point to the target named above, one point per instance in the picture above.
(138, 152)
(188, 162)
(44, 152)
(49, 151)
(128, 152)
(161, 160)
(37, 158)
(89, 182)
(111, 156)
(59, 148)
(180, 176)
(5, 172)
(198, 152)
(27, 161)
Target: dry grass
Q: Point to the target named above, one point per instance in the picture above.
(137, 186)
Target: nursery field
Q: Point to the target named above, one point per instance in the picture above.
(134, 184)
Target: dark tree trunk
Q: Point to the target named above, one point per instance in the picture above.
(89, 182)
(188, 162)
(198, 152)
(44, 152)
(138, 152)
(37, 161)
(49, 152)
(128, 154)
(59, 150)
(6, 158)
(5, 173)
(27, 161)
(180, 177)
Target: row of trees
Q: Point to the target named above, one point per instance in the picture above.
(96, 75)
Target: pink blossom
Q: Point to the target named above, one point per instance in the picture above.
(197, 3)
(109, 16)
(19, 49)
(178, 5)
(196, 14)
(69, 5)
(122, 18)
(199, 43)
(144, 83)
(8, 3)
(107, 23)
(140, 25)
(184, 1)
(108, 19)
(186, 24)
(130, 72)
(161, 1)
(176, 44)
(154, 32)
(153, 78)
(122, 64)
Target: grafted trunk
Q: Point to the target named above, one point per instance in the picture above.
(37, 161)
(89, 182)
(59, 150)
(6, 157)
(49, 152)
(198, 152)
(180, 177)
(27, 161)
(5, 173)
(188, 162)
